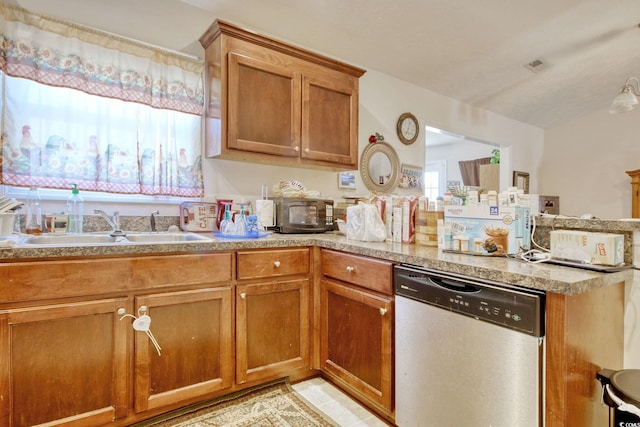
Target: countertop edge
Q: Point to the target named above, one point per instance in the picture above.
(546, 277)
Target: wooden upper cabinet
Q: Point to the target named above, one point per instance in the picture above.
(635, 190)
(271, 102)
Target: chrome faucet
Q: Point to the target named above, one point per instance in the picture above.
(153, 220)
(114, 222)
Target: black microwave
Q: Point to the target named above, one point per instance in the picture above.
(300, 215)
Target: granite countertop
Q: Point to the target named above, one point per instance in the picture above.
(552, 278)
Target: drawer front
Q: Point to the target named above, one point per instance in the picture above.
(30, 281)
(269, 263)
(370, 273)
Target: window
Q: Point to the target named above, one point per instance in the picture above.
(96, 110)
(434, 179)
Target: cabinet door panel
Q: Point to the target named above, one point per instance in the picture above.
(67, 364)
(272, 332)
(264, 107)
(193, 329)
(329, 120)
(356, 344)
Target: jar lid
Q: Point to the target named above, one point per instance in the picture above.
(627, 384)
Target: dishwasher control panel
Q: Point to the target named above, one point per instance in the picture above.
(520, 310)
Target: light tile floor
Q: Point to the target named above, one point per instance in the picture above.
(336, 404)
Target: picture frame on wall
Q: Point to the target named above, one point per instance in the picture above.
(347, 180)
(411, 178)
(521, 180)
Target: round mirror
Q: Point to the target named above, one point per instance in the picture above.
(379, 167)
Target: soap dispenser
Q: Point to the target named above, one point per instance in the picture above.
(33, 220)
(226, 225)
(75, 209)
(241, 222)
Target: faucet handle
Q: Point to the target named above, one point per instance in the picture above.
(153, 220)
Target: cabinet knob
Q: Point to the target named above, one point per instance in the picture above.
(276, 264)
(350, 269)
(296, 148)
(383, 311)
(243, 295)
(307, 150)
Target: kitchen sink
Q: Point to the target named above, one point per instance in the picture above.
(101, 239)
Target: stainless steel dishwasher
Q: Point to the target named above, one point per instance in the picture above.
(468, 352)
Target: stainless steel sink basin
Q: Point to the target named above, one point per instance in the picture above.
(101, 239)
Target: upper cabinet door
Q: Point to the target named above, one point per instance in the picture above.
(330, 119)
(264, 107)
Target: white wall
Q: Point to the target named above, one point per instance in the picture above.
(585, 161)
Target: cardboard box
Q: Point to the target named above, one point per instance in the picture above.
(587, 247)
(502, 230)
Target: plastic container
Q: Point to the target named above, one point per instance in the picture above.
(464, 243)
(33, 220)
(226, 225)
(492, 198)
(7, 223)
(75, 209)
(477, 245)
(252, 225)
(241, 222)
(455, 243)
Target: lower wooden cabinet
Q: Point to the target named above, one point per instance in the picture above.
(194, 331)
(356, 341)
(272, 313)
(69, 354)
(63, 364)
(272, 329)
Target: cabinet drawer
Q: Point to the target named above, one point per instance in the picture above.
(40, 280)
(369, 273)
(256, 264)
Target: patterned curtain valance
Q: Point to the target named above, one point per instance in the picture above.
(63, 54)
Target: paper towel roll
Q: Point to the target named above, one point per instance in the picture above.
(265, 209)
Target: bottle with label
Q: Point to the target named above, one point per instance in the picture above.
(33, 220)
(75, 209)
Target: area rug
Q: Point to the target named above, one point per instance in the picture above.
(273, 405)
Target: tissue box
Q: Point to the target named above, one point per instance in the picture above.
(492, 230)
(587, 247)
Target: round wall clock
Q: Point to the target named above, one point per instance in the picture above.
(407, 128)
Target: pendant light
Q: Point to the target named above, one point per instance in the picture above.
(627, 98)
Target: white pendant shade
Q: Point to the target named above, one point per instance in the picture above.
(626, 99)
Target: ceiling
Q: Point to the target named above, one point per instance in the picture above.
(471, 50)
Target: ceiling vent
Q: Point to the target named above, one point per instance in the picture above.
(536, 65)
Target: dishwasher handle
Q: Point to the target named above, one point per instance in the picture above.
(442, 282)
